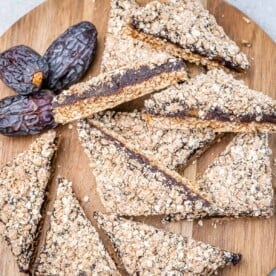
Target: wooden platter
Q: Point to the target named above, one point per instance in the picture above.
(254, 238)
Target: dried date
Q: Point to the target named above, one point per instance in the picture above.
(70, 55)
(23, 69)
(27, 115)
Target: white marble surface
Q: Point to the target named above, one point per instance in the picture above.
(261, 11)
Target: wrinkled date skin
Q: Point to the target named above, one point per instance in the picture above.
(70, 55)
(23, 69)
(27, 115)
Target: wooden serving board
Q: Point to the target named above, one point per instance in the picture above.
(254, 238)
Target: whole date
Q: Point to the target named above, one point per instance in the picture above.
(23, 69)
(27, 115)
(70, 55)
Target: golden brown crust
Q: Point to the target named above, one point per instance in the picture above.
(106, 91)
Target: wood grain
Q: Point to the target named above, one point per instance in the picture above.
(254, 238)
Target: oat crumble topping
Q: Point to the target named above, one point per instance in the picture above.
(188, 26)
(72, 246)
(239, 180)
(171, 147)
(22, 191)
(214, 96)
(130, 183)
(146, 250)
(122, 50)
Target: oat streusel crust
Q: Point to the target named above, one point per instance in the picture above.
(171, 147)
(239, 180)
(146, 250)
(72, 246)
(214, 100)
(23, 182)
(110, 89)
(131, 183)
(121, 49)
(185, 29)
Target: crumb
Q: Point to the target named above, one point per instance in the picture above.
(222, 15)
(246, 43)
(70, 126)
(194, 162)
(200, 223)
(85, 199)
(49, 213)
(247, 20)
